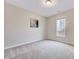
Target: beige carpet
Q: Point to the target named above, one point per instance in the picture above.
(41, 50)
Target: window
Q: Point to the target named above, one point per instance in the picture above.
(60, 27)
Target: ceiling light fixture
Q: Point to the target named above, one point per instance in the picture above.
(49, 3)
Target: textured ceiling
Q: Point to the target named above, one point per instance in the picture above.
(36, 6)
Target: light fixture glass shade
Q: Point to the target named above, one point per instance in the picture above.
(48, 3)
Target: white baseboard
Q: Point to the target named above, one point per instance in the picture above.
(62, 42)
(20, 44)
(33, 42)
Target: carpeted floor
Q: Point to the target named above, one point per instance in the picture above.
(45, 49)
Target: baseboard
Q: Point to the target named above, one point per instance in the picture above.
(61, 42)
(33, 42)
(21, 44)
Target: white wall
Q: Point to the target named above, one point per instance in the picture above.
(69, 27)
(17, 30)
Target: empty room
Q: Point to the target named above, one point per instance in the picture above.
(38, 29)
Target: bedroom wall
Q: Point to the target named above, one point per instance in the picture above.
(69, 38)
(17, 30)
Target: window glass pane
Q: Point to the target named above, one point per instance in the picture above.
(60, 27)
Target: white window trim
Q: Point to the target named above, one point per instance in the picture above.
(58, 34)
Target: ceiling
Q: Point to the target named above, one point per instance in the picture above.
(36, 7)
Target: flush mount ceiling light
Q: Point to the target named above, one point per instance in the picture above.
(48, 3)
